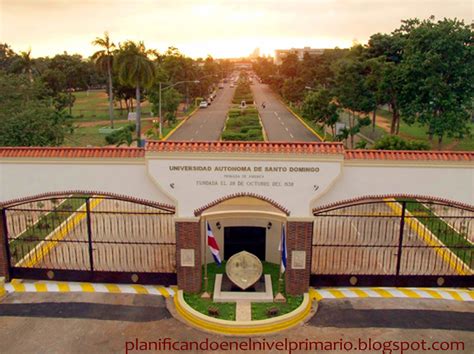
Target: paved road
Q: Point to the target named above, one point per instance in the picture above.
(107, 323)
(279, 123)
(207, 124)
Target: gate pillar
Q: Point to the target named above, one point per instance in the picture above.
(4, 267)
(299, 249)
(188, 255)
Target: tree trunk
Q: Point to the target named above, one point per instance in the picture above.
(139, 131)
(111, 95)
(351, 125)
(374, 118)
(70, 102)
(440, 141)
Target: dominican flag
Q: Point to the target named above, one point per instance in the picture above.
(282, 249)
(213, 246)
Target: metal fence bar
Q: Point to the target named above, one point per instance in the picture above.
(400, 240)
(89, 234)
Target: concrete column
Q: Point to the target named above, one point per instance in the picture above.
(299, 238)
(4, 271)
(188, 241)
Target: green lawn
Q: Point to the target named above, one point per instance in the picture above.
(95, 106)
(85, 136)
(227, 310)
(457, 243)
(46, 224)
(418, 132)
(366, 131)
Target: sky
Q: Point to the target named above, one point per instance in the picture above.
(221, 28)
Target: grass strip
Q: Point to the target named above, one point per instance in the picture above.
(227, 309)
(33, 235)
(457, 243)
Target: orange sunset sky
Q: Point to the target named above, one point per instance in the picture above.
(221, 28)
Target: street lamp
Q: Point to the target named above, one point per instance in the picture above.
(159, 105)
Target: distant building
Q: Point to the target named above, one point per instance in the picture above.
(255, 54)
(280, 54)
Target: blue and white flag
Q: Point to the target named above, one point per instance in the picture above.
(282, 249)
(212, 243)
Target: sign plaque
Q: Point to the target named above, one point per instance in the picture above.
(187, 257)
(298, 259)
(244, 269)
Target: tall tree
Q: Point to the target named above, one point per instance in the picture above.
(319, 106)
(438, 70)
(26, 64)
(135, 68)
(388, 48)
(104, 61)
(352, 91)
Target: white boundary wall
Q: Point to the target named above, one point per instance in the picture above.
(152, 178)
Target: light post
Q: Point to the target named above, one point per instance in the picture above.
(159, 104)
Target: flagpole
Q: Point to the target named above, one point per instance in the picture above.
(205, 294)
(279, 296)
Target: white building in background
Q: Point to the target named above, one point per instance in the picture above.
(255, 54)
(280, 54)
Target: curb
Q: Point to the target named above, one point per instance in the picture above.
(19, 286)
(180, 124)
(264, 133)
(413, 293)
(302, 121)
(244, 328)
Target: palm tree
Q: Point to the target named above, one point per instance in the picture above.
(103, 59)
(26, 63)
(135, 69)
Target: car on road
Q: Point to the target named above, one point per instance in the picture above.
(203, 104)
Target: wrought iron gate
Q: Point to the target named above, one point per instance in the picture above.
(393, 242)
(90, 237)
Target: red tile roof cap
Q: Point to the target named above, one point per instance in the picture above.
(246, 147)
(72, 152)
(409, 155)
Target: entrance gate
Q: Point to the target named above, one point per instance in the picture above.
(393, 242)
(90, 237)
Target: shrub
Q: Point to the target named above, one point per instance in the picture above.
(393, 142)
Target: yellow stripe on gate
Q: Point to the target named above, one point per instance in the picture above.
(382, 292)
(455, 295)
(112, 288)
(430, 239)
(433, 293)
(19, 287)
(41, 287)
(360, 293)
(58, 235)
(163, 291)
(87, 287)
(409, 293)
(63, 287)
(337, 293)
(140, 289)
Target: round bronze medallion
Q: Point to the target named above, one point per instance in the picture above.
(244, 269)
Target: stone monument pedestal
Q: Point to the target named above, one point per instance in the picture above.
(256, 294)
